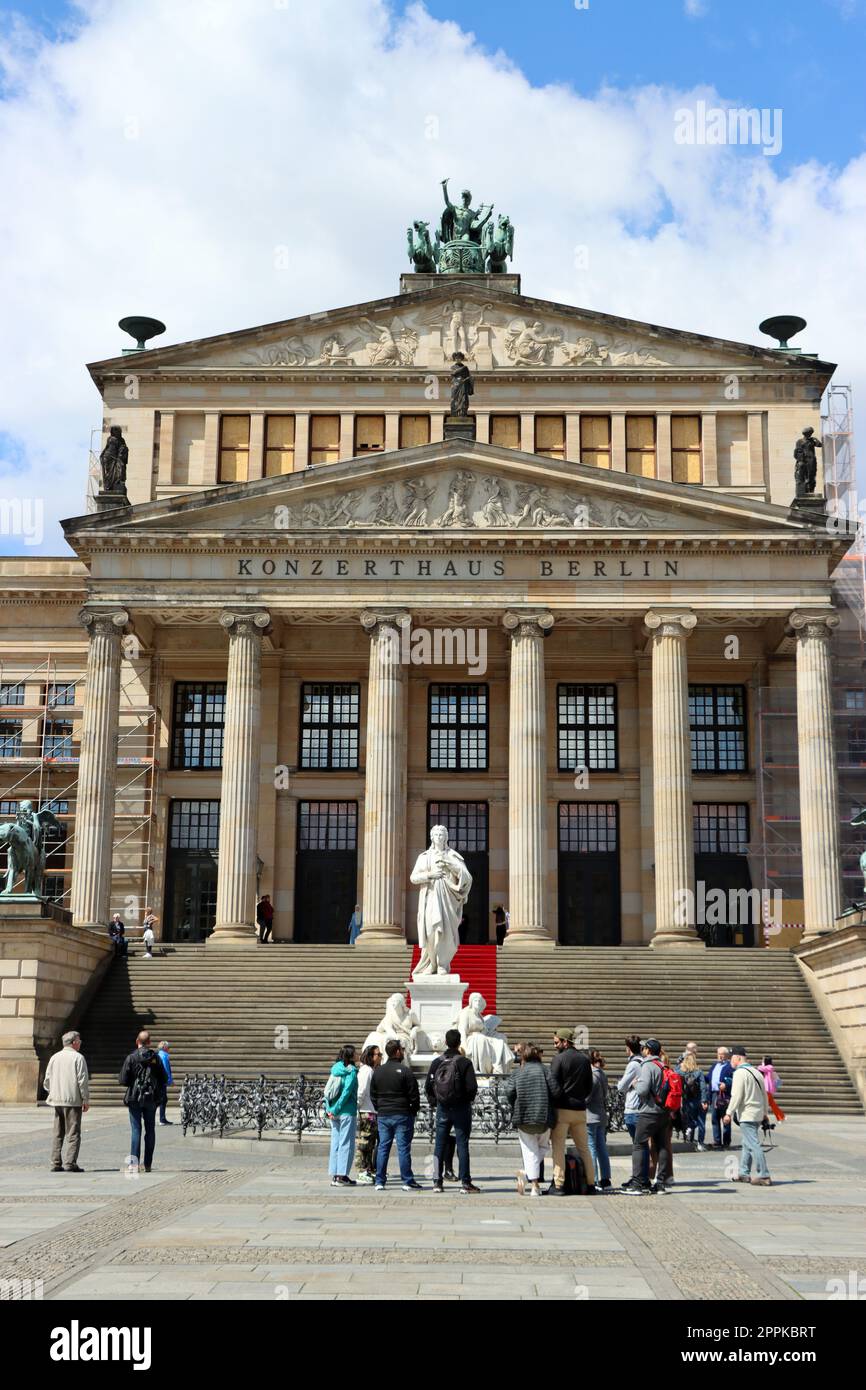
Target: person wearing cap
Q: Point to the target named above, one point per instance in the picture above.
(570, 1084)
(748, 1106)
(653, 1121)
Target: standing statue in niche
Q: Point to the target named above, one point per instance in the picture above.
(113, 461)
(445, 881)
(462, 386)
(806, 462)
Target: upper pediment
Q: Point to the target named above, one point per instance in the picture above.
(454, 488)
(495, 330)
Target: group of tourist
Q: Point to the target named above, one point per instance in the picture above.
(146, 1075)
(372, 1105)
(120, 941)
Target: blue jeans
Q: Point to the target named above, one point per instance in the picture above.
(147, 1114)
(401, 1128)
(460, 1117)
(630, 1118)
(595, 1133)
(752, 1150)
(342, 1145)
(695, 1118)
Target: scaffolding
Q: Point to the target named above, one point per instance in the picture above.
(40, 745)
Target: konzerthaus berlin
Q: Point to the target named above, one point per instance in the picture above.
(331, 617)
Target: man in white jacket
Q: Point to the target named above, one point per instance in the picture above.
(68, 1085)
(748, 1106)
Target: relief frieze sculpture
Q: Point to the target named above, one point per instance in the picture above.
(462, 501)
(488, 337)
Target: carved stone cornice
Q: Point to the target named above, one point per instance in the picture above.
(104, 622)
(527, 625)
(805, 623)
(674, 624)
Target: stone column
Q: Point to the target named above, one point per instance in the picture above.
(97, 769)
(819, 793)
(385, 868)
(527, 779)
(239, 789)
(672, 780)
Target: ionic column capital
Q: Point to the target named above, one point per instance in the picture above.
(372, 620)
(104, 622)
(680, 625)
(806, 623)
(532, 625)
(249, 623)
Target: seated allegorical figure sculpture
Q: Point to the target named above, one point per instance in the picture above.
(400, 1023)
(445, 882)
(487, 1049)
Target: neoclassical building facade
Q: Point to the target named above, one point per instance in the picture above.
(330, 617)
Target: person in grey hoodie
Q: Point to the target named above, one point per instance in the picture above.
(652, 1122)
(625, 1086)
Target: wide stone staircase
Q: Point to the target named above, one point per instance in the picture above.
(284, 1009)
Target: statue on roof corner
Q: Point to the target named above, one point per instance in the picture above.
(113, 461)
(467, 241)
(806, 462)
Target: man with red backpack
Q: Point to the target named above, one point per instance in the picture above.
(452, 1086)
(653, 1121)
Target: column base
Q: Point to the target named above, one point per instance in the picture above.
(382, 934)
(527, 936)
(233, 934)
(674, 940)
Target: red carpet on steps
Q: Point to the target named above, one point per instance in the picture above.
(477, 965)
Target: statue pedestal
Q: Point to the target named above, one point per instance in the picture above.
(436, 1002)
(110, 501)
(459, 427)
(812, 507)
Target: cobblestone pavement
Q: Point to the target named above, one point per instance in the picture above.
(241, 1220)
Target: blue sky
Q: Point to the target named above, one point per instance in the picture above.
(181, 144)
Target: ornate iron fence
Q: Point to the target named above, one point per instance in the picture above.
(220, 1103)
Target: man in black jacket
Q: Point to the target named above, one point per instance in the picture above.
(451, 1086)
(145, 1080)
(396, 1101)
(570, 1085)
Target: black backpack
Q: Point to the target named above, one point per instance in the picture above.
(691, 1087)
(575, 1175)
(447, 1081)
(146, 1088)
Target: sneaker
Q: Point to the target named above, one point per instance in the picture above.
(347, 1182)
(335, 1182)
(366, 1178)
(57, 1168)
(636, 1187)
(468, 1189)
(73, 1168)
(761, 1182)
(659, 1189)
(740, 1177)
(700, 1148)
(535, 1190)
(166, 1122)
(450, 1175)
(147, 1170)
(606, 1185)
(438, 1187)
(554, 1191)
(412, 1186)
(380, 1187)
(521, 1184)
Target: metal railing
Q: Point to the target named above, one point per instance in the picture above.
(216, 1104)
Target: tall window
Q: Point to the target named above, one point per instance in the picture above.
(327, 825)
(550, 436)
(588, 827)
(58, 739)
(505, 431)
(465, 821)
(457, 738)
(59, 693)
(279, 445)
(595, 440)
(686, 448)
(717, 716)
(194, 825)
(586, 727)
(369, 434)
(197, 728)
(640, 445)
(234, 459)
(324, 438)
(12, 694)
(414, 431)
(10, 738)
(720, 829)
(330, 721)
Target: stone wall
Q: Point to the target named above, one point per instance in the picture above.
(47, 970)
(835, 969)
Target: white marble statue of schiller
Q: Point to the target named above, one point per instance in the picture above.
(445, 882)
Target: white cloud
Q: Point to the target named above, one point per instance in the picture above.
(162, 155)
(695, 9)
